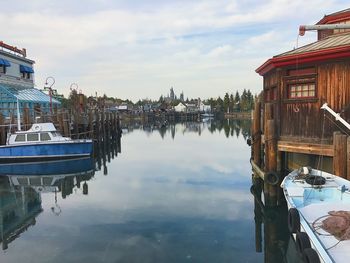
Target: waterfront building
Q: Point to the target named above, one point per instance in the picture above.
(295, 86)
(17, 84)
(181, 107)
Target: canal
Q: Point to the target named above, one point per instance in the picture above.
(174, 193)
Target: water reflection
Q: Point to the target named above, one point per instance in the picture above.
(178, 193)
(271, 232)
(230, 127)
(21, 187)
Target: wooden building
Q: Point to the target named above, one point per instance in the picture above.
(295, 131)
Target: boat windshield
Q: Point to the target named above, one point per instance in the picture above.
(56, 134)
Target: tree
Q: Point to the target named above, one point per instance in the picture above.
(226, 103)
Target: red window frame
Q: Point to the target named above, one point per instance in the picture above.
(301, 90)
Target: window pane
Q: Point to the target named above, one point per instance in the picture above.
(45, 137)
(33, 137)
(20, 138)
(312, 93)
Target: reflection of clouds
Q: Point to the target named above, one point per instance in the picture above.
(162, 201)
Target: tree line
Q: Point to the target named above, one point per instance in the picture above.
(233, 103)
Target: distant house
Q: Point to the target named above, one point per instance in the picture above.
(203, 108)
(192, 107)
(122, 108)
(17, 84)
(181, 107)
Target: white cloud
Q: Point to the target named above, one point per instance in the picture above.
(130, 50)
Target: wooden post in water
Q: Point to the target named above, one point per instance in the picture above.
(340, 154)
(66, 128)
(271, 154)
(257, 134)
(2, 130)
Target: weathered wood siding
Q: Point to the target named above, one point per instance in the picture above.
(302, 118)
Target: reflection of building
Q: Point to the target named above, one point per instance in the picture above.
(19, 206)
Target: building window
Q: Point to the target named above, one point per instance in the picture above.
(300, 91)
(25, 75)
(2, 69)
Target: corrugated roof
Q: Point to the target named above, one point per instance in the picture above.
(28, 95)
(333, 41)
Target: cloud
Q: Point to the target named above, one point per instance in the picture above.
(133, 49)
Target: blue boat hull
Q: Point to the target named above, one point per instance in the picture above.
(47, 151)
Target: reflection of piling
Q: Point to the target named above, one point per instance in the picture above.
(276, 234)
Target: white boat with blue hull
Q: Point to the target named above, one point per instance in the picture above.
(319, 214)
(43, 141)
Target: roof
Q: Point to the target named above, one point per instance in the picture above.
(336, 17)
(28, 94)
(332, 47)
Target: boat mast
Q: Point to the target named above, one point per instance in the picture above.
(18, 117)
(336, 115)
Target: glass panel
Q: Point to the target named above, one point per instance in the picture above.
(35, 181)
(298, 88)
(33, 137)
(305, 93)
(312, 93)
(20, 138)
(45, 137)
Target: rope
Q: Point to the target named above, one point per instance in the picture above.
(315, 228)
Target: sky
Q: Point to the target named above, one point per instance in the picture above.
(141, 48)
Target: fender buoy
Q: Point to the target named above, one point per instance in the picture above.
(310, 256)
(272, 178)
(315, 180)
(249, 142)
(302, 241)
(293, 220)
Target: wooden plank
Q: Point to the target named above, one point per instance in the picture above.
(307, 148)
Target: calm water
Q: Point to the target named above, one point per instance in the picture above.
(174, 194)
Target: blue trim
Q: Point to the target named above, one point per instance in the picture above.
(49, 150)
(4, 62)
(25, 69)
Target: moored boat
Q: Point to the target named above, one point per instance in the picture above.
(43, 142)
(319, 214)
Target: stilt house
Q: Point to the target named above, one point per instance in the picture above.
(295, 86)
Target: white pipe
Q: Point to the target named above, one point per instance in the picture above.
(304, 28)
(336, 115)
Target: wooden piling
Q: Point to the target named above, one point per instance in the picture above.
(257, 134)
(340, 154)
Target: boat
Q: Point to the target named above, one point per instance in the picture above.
(319, 211)
(315, 199)
(43, 142)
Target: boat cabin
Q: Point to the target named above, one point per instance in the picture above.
(39, 132)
